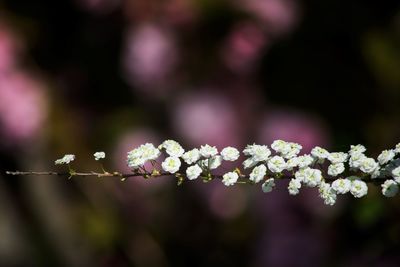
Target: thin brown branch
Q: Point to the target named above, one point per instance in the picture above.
(244, 178)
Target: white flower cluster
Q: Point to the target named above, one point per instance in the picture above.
(348, 171)
(67, 159)
(99, 155)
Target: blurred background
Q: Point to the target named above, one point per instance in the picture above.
(79, 76)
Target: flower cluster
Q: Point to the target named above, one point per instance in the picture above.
(67, 159)
(332, 173)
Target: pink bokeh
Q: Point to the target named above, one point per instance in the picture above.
(149, 58)
(243, 47)
(23, 107)
(206, 118)
(279, 16)
(9, 49)
(99, 6)
(294, 126)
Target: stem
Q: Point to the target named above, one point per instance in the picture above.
(147, 174)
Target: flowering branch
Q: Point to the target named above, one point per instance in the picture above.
(322, 169)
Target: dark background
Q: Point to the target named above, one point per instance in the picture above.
(89, 75)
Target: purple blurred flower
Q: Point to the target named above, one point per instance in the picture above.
(206, 118)
(243, 47)
(279, 15)
(293, 126)
(149, 59)
(23, 107)
(99, 6)
(9, 48)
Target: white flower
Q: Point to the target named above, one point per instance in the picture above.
(358, 149)
(341, 186)
(248, 163)
(294, 150)
(304, 161)
(327, 193)
(281, 146)
(292, 163)
(138, 156)
(311, 177)
(258, 173)
(257, 152)
(356, 160)
(211, 163)
(386, 156)
(390, 188)
(396, 172)
(193, 172)
(358, 188)
(320, 153)
(337, 157)
(268, 185)
(208, 151)
(173, 148)
(99, 155)
(230, 178)
(171, 164)
(294, 186)
(67, 159)
(335, 169)
(215, 162)
(191, 156)
(276, 164)
(230, 153)
(397, 149)
(368, 165)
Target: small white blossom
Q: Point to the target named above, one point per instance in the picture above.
(191, 156)
(214, 162)
(304, 161)
(230, 178)
(320, 153)
(335, 169)
(171, 164)
(311, 177)
(292, 163)
(192, 172)
(386, 156)
(276, 164)
(208, 151)
(67, 159)
(368, 165)
(230, 153)
(356, 150)
(258, 173)
(390, 188)
(99, 155)
(358, 188)
(280, 146)
(294, 150)
(337, 157)
(396, 173)
(248, 163)
(268, 185)
(341, 186)
(140, 155)
(211, 163)
(294, 186)
(397, 149)
(327, 193)
(257, 152)
(356, 160)
(173, 148)
(376, 173)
